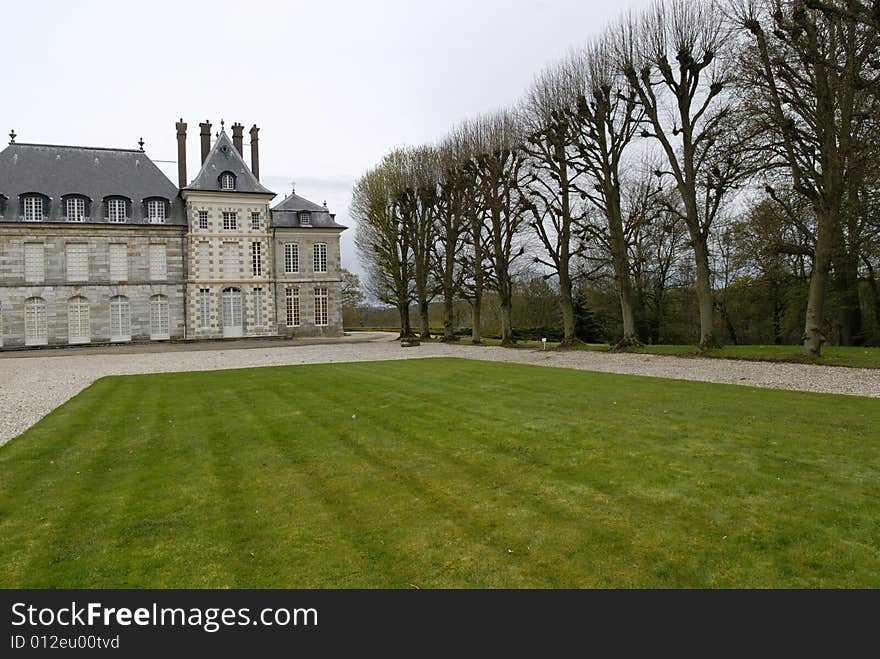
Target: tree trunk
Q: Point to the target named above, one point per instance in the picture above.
(565, 302)
(506, 324)
(620, 258)
(818, 279)
(424, 324)
(448, 312)
(405, 329)
(704, 295)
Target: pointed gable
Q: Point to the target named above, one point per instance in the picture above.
(225, 158)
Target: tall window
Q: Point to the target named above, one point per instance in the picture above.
(258, 306)
(291, 258)
(320, 306)
(158, 318)
(231, 261)
(117, 210)
(227, 181)
(230, 221)
(257, 259)
(75, 209)
(255, 221)
(158, 263)
(120, 319)
(292, 303)
(203, 220)
(34, 263)
(77, 261)
(78, 327)
(204, 308)
(320, 257)
(156, 211)
(33, 208)
(118, 261)
(305, 219)
(36, 331)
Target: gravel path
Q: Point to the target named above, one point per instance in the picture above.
(33, 384)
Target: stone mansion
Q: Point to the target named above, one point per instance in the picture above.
(97, 245)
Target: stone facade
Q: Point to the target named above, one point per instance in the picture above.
(306, 280)
(210, 265)
(208, 251)
(56, 290)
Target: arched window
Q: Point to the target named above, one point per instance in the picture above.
(117, 209)
(34, 206)
(159, 318)
(76, 207)
(156, 210)
(227, 181)
(120, 319)
(78, 325)
(36, 332)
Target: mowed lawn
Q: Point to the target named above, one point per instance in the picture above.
(441, 473)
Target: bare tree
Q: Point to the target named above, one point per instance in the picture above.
(671, 57)
(805, 68)
(498, 161)
(606, 118)
(382, 240)
(416, 204)
(452, 223)
(549, 187)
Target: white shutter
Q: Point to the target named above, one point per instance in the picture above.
(120, 318)
(36, 330)
(34, 263)
(118, 262)
(231, 261)
(158, 263)
(159, 317)
(77, 262)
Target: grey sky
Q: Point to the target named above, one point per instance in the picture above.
(333, 85)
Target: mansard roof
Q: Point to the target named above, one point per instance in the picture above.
(224, 157)
(56, 171)
(286, 214)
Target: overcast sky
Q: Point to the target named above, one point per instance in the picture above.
(333, 85)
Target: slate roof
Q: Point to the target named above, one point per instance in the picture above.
(97, 173)
(223, 157)
(286, 214)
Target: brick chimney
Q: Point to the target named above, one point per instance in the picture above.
(206, 139)
(255, 151)
(238, 138)
(181, 154)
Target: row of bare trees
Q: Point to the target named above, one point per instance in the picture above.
(677, 122)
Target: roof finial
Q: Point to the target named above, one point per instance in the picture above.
(12, 136)
(325, 203)
(222, 130)
(141, 143)
(293, 187)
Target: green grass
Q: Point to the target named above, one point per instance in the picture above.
(858, 357)
(441, 473)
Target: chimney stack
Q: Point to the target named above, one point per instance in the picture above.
(255, 151)
(181, 154)
(238, 138)
(206, 139)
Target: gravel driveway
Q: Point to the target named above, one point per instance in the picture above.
(33, 383)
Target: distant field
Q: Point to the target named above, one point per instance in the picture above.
(441, 473)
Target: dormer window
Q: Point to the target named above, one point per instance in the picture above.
(117, 209)
(305, 219)
(34, 207)
(76, 208)
(227, 181)
(156, 211)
